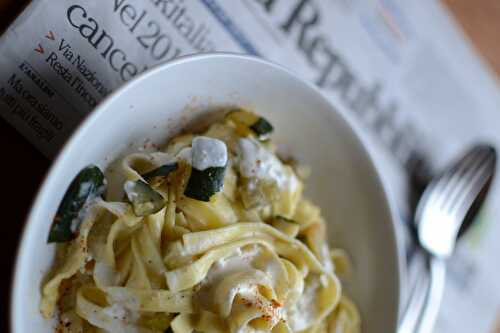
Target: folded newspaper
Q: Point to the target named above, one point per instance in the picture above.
(403, 72)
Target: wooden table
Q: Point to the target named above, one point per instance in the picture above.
(480, 20)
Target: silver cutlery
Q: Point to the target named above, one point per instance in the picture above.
(445, 211)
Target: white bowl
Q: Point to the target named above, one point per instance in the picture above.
(156, 105)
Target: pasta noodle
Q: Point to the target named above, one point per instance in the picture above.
(213, 235)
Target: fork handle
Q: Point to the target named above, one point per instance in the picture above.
(437, 269)
(418, 296)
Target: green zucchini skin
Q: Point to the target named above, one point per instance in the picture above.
(262, 127)
(279, 217)
(203, 184)
(162, 171)
(144, 199)
(89, 183)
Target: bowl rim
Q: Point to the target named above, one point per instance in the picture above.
(93, 116)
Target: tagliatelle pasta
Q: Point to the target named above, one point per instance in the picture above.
(213, 234)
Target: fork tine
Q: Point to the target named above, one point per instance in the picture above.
(446, 206)
(484, 174)
(479, 157)
(440, 190)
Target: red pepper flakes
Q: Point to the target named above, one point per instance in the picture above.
(276, 304)
(266, 317)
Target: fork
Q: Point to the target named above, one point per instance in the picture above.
(446, 210)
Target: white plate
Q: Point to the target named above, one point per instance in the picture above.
(159, 103)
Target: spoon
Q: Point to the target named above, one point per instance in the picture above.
(444, 213)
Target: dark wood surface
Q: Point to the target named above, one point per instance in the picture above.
(22, 169)
(23, 172)
(480, 19)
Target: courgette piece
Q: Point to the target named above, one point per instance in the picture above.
(262, 128)
(145, 201)
(89, 183)
(203, 184)
(247, 121)
(303, 239)
(162, 171)
(285, 219)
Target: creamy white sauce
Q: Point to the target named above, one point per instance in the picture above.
(117, 208)
(89, 202)
(302, 313)
(244, 260)
(208, 153)
(186, 155)
(104, 274)
(273, 269)
(160, 158)
(262, 269)
(327, 262)
(116, 311)
(125, 299)
(255, 161)
(238, 261)
(205, 153)
(129, 188)
(293, 182)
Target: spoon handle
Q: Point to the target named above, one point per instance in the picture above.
(437, 269)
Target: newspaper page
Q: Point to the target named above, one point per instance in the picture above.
(402, 71)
